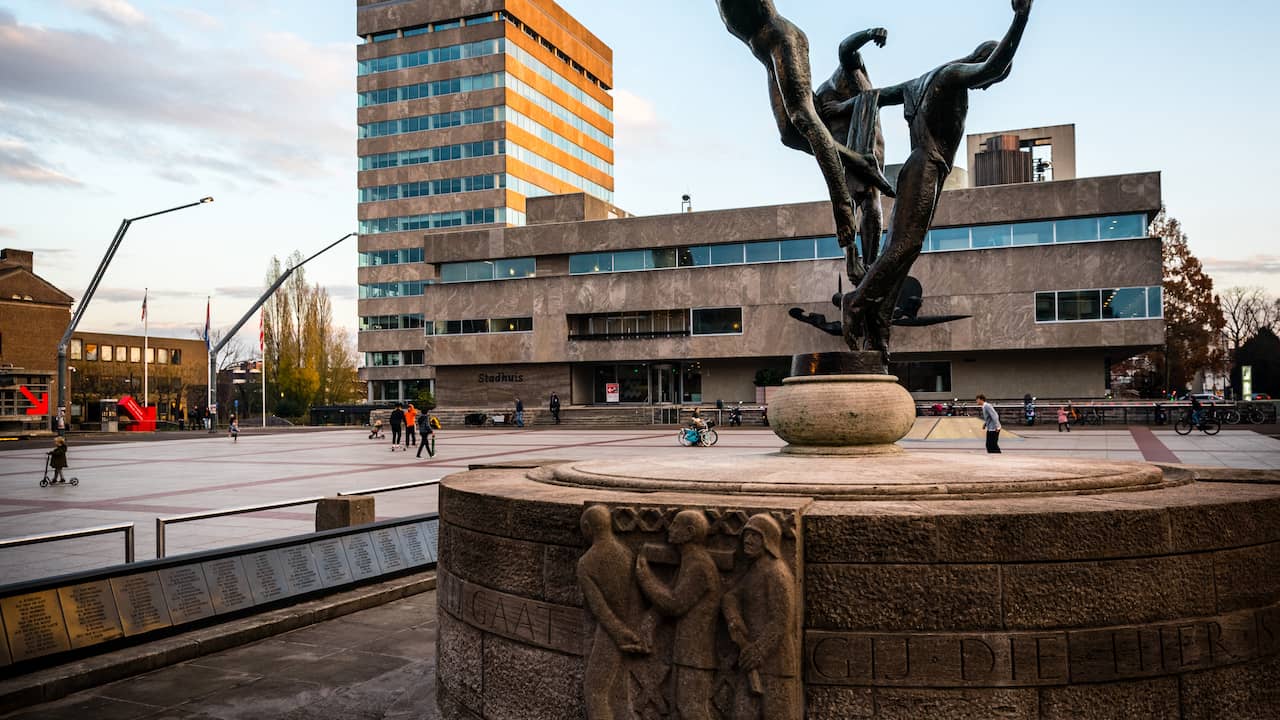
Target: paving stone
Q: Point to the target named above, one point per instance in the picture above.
(175, 685)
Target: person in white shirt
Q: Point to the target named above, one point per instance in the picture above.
(990, 423)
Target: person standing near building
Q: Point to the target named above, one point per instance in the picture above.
(410, 423)
(519, 412)
(555, 408)
(990, 423)
(62, 423)
(1063, 420)
(397, 425)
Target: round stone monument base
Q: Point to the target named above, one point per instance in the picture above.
(899, 586)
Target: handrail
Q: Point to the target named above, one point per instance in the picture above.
(390, 488)
(126, 528)
(161, 522)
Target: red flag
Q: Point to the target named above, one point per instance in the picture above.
(262, 323)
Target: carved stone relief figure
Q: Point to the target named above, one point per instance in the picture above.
(694, 600)
(761, 614)
(611, 595)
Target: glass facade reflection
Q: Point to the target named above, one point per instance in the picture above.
(1137, 303)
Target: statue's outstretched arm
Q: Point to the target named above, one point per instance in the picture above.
(850, 58)
(893, 95)
(997, 66)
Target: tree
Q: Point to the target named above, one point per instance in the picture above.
(1245, 310)
(309, 360)
(1194, 321)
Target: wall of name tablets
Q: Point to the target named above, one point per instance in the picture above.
(126, 604)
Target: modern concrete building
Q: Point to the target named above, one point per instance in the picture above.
(467, 108)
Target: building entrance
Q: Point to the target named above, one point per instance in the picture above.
(664, 383)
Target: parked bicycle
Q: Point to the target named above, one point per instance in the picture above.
(1203, 421)
(1092, 416)
(1226, 415)
(702, 437)
(1253, 414)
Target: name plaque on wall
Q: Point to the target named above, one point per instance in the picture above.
(414, 544)
(228, 586)
(5, 658)
(33, 625)
(265, 571)
(300, 569)
(364, 563)
(386, 545)
(556, 627)
(141, 601)
(91, 614)
(431, 531)
(332, 561)
(186, 593)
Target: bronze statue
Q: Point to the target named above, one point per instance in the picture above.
(783, 49)
(608, 589)
(694, 600)
(761, 613)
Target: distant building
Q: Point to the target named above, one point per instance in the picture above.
(33, 316)
(466, 110)
(108, 366)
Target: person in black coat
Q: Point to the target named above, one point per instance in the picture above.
(555, 407)
(397, 424)
(425, 431)
(58, 459)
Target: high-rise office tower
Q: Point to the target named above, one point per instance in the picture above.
(466, 108)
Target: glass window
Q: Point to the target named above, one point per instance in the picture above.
(135, 354)
(162, 356)
(923, 377)
(1124, 303)
(475, 326)
(481, 270)
(661, 258)
(726, 254)
(1116, 227)
(1046, 307)
(590, 263)
(948, 239)
(829, 247)
(1079, 230)
(412, 357)
(151, 355)
(1079, 305)
(90, 351)
(800, 249)
(717, 321)
(107, 354)
(453, 272)
(1033, 233)
(699, 256)
(629, 260)
(514, 268)
(992, 236)
(175, 357)
(77, 349)
(762, 252)
(519, 324)
(1154, 307)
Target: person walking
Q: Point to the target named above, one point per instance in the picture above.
(1063, 420)
(555, 408)
(990, 423)
(519, 412)
(62, 423)
(425, 431)
(58, 459)
(410, 423)
(397, 425)
(233, 429)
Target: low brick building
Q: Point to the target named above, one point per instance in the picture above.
(33, 316)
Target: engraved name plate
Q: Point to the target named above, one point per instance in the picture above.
(332, 561)
(186, 593)
(228, 585)
(141, 601)
(34, 626)
(91, 614)
(558, 627)
(364, 563)
(265, 571)
(414, 544)
(431, 535)
(300, 569)
(386, 545)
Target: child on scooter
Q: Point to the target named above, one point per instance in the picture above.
(58, 459)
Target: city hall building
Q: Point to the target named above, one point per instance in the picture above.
(493, 263)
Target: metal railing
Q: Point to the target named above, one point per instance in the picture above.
(126, 528)
(391, 488)
(162, 522)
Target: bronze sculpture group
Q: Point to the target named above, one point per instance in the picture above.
(840, 126)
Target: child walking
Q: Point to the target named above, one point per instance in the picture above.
(1063, 420)
(234, 429)
(58, 459)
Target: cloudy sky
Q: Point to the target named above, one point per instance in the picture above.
(117, 108)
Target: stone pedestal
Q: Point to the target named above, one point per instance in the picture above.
(899, 586)
(345, 511)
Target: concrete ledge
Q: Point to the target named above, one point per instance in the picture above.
(57, 682)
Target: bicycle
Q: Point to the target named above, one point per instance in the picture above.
(702, 437)
(1254, 415)
(1092, 416)
(1227, 416)
(1207, 424)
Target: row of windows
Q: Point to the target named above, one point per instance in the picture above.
(433, 56)
(450, 86)
(478, 327)
(1106, 304)
(525, 188)
(408, 288)
(706, 255)
(394, 357)
(575, 92)
(433, 27)
(93, 352)
(457, 218)
(425, 188)
(574, 120)
(554, 51)
(1111, 227)
(409, 321)
(401, 256)
(551, 137)
(508, 269)
(656, 323)
(485, 148)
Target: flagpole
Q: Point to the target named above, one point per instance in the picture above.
(262, 347)
(145, 321)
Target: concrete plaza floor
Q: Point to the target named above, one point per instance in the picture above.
(137, 481)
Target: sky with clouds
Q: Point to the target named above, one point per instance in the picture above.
(118, 108)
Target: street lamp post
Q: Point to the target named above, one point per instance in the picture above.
(93, 287)
(226, 338)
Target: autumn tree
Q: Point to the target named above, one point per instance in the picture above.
(309, 360)
(1194, 320)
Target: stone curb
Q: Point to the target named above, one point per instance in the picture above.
(57, 682)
